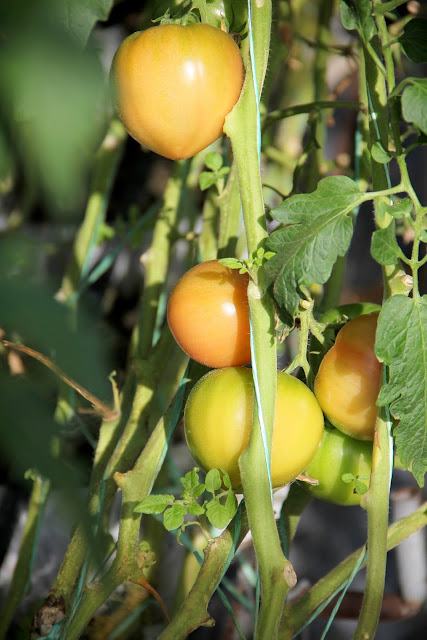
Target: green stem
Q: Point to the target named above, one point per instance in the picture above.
(156, 260)
(230, 216)
(22, 573)
(376, 500)
(296, 614)
(276, 572)
(193, 612)
(318, 105)
(135, 485)
(106, 165)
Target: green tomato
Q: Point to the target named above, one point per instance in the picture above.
(218, 423)
(338, 456)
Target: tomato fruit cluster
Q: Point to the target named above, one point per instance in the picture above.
(348, 380)
(208, 315)
(337, 456)
(173, 86)
(218, 423)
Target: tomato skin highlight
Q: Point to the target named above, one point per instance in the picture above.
(218, 423)
(349, 377)
(208, 315)
(173, 86)
(338, 454)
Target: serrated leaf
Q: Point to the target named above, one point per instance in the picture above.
(402, 344)
(379, 154)
(219, 515)
(206, 180)
(414, 39)
(414, 103)
(223, 171)
(321, 230)
(384, 247)
(154, 504)
(213, 160)
(80, 16)
(213, 481)
(174, 517)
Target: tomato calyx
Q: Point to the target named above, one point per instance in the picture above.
(183, 15)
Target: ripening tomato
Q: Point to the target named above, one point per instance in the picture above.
(173, 86)
(208, 314)
(218, 423)
(338, 455)
(349, 377)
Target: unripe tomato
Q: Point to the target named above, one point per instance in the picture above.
(349, 377)
(173, 86)
(218, 423)
(208, 314)
(337, 455)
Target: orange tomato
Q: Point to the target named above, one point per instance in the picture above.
(173, 86)
(348, 381)
(208, 314)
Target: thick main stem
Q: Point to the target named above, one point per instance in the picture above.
(242, 125)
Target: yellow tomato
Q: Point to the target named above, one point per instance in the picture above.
(173, 86)
(218, 423)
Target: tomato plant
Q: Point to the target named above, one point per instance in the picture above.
(324, 140)
(218, 419)
(342, 468)
(173, 86)
(208, 314)
(349, 376)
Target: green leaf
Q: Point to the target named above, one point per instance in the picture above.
(360, 487)
(206, 180)
(401, 209)
(191, 479)
(348, 14)
(321, 230)
(223, 171)
(226, 480)
(414, 103)
(357, 16)
(423, 236)
(384, 247)
(80, 16)
(231, 263)
(197, 491)
(414, 39)
(402, 344)
(347, 478)
(219, 515)
(154, 504)
(213, 481)
(196, 509)
(213, 161)
(174, 517)
(379, 154)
